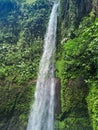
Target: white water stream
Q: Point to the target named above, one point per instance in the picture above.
(42, 112)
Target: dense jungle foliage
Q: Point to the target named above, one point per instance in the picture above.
(22, 28)
(77, 67)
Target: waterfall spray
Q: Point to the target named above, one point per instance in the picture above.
(42, 111)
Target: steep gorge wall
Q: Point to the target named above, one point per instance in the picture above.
(95, 6)
(76, 29)
(71, 12)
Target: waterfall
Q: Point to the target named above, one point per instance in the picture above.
(42, 111)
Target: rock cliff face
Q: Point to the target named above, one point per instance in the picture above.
(95, 6)
(72, 11)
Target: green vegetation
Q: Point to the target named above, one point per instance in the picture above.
(77, 67)
(92, 100)
(18, 72)
(30, 1)
(22, 27)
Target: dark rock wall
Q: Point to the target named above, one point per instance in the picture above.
(95, 6)
(71, 12)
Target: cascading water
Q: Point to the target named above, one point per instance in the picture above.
(42, 112)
